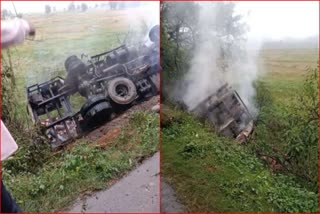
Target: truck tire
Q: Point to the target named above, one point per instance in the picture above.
(97, 115)
(75, 68)
(91, 102)
(122, 90)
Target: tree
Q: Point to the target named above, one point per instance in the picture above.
(185, 24)
(230, 31)
(122, 5)
(133, 4)
(113, 5)
(179, 21)
(103, 5)
(7, 14)
(195, 37)
(84, 7)
(72, 7)
(47, 9)
(4, 13)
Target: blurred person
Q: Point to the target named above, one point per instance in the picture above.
(12, 32)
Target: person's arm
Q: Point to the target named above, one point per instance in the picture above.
(14, 32)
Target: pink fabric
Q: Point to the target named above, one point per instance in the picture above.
(8, 144)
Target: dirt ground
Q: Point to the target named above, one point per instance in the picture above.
(112, 129)
(136, 192)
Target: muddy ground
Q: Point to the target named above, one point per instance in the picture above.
(112, 129)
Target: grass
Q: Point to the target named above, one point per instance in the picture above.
(213, 173)
(283, 70)
(84, 166)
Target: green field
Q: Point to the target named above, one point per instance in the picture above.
(213, 173)
(38, 178)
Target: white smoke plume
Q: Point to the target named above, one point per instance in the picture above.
(141, 19)
(207, 70)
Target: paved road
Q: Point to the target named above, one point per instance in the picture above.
(169, 202)
(137, 192)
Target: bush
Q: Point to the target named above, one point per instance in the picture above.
(33, 151)
(302, 133)
(288, 132)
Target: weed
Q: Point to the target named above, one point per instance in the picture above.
(208, 171)
(59, 179)
(287, 131)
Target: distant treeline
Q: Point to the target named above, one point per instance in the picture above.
(290, 43)
(113, 5)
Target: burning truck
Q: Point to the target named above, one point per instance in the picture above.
(111, 82)
(226, 111)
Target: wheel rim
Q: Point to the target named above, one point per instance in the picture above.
(122, 90)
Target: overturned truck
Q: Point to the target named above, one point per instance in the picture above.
(111, 82)
(226, 111)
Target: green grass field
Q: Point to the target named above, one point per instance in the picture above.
(213, 173)
(284, 70)
(39, 179)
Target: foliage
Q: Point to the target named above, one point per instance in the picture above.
(113, 5)
(33, 150)
(229, 26)
(122, 5)
(302, 133)
(6, 14)
(47, 9)
(84, 7)
(208, 171)
(184, 28)
(82, 166)
(288, 132)
(72, 6)
(178, 29)
(8, 86)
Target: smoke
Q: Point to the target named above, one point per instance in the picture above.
(219, 58)
(140, 20)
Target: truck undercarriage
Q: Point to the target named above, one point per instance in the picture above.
(111, 82)
(226, 111)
